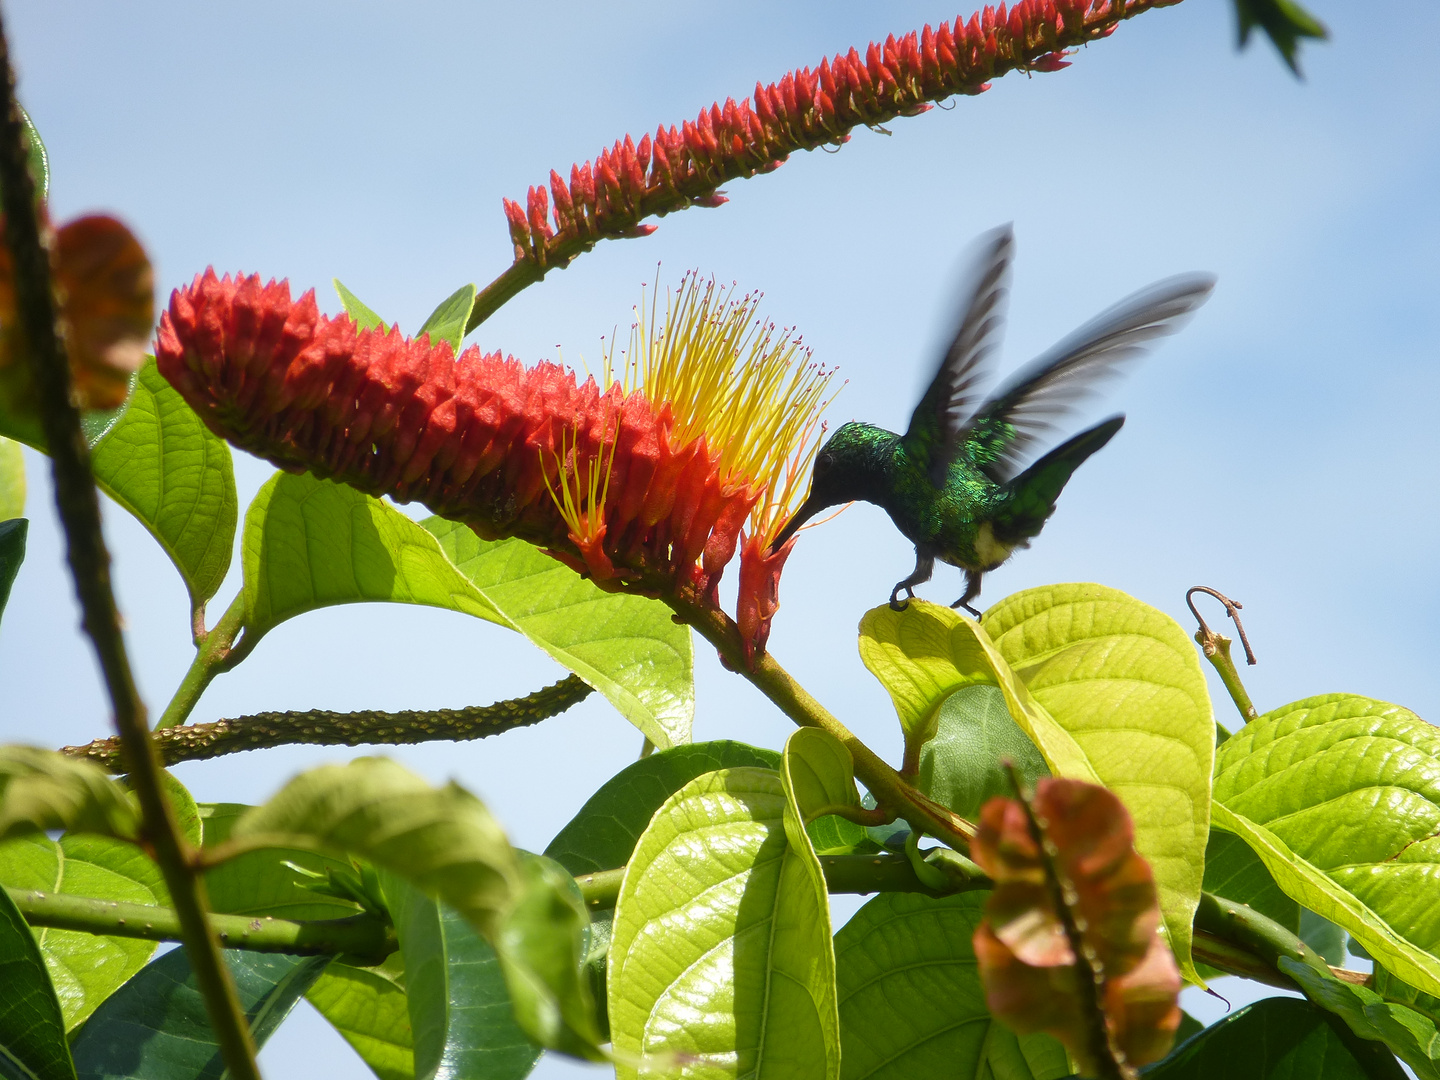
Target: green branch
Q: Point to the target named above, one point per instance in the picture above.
(321, 727)
(79, 509)
(215, 652)
(890, 789)
(367, 938)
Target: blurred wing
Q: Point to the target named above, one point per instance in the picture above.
(939, 421)
(1024, 410)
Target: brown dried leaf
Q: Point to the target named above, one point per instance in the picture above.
(1026, 958)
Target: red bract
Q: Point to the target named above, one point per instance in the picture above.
(639, 496)
(807, 108)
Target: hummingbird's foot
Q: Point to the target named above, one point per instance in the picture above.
(896, 604)
(972, 590)
(962, 604)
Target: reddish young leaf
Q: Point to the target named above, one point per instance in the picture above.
(106, 291)
(1118, 1006)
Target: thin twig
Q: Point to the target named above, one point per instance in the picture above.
(79, 510)
(322, 727)
(1216, 648)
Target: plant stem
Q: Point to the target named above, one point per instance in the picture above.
(79, 509)
(369, 938)
(321, 727)
(889, 787)
(1216, 648)
(213, 654)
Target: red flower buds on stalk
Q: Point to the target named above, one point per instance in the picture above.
(647, 485)
(680, 167)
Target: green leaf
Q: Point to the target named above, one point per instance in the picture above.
(32, 1032)
(627, 647)
(1277, 1039)
(42, 790)
(542, 947)
(360, 315)
(12, 554)
(1339, 795)
(85, 968)
(156, 1027)
(1284, 22)
(1323, 936)
(262, 882)
(459, 1008)
(310, 543)
(605, 831)
(1392, 989)
(443, 840)
(369, 1008)
(1110, 691)
(12, 479)
(39, 158)
(447, 322)
(1234, 871)
(960, 766)
(911, 1003)
(721, 948)
(182, 805)
(1409, 1034)
(160, 462)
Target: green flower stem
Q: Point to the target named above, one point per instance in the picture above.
(1266, 939)
(860, 874)
(368, 938)
(79, 509)
(515, 277)
(321, 727)
(889, 787)
(214, 653)
(1216, 648)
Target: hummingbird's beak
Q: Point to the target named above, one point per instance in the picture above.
(808, 509)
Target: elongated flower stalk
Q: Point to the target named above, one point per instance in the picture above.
(807, 108)
(649, 485)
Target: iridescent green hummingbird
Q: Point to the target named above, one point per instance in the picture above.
(953, 483)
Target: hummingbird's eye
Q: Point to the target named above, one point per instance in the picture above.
(823, 462)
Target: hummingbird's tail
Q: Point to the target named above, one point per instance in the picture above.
(1032, 494)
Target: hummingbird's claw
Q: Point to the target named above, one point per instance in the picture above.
(896, 604)
(967, 607)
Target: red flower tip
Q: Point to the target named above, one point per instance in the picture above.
(1054, 61)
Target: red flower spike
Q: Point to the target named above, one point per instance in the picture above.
(646, 497)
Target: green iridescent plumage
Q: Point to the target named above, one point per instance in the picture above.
(953, 483)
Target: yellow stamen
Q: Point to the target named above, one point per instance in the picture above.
(750, 390)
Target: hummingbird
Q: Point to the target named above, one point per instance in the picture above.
(956, 483)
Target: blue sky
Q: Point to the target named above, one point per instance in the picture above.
(1282, 448)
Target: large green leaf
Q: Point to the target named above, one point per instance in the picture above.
(961, 767)
(459, 1009)
(263, 882)
(1277, 1039)
(447, 321)
(85, 968)
(32, 1030)
(627, 647)
(441, 839)
(445, 842)
(12, 554)
(161, 463)
(1411, 1035)
(12, 479)
(605, 831)
(156, 1027)
(1108, 688)
(911, 1003)
(721, 939)
(311, 543)
(1339, 795)
(42, 790)
(369, 1008)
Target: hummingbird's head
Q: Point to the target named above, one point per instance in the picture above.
(838, 475)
